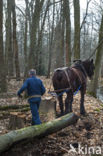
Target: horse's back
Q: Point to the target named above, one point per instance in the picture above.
(61, 78)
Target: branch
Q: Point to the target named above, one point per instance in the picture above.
(83, 22)
(21, 11)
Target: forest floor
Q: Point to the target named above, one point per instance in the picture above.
(86, 133)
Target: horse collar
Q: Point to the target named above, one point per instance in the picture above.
(84, 71)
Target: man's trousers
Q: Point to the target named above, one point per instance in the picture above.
(35, 112)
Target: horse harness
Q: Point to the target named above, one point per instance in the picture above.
(68, 79)
(75, 71)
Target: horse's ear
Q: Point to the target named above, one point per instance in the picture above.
(91, 60)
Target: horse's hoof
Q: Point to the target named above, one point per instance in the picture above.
(83, 113)
(66, 112)
(59, 115)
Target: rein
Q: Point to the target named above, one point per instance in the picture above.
(54, 94)
(68, 78)
(65, 90)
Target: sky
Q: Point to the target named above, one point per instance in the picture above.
(83, 4)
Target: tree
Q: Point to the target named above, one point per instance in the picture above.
(51, 43)
(33, 38)
(8, 45)
(15, 43)
(68, 31)
(59, 39)
(76, 29)
(25, 39)
(3, 86)
(39, 44)
(98, 61)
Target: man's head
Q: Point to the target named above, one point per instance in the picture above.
(32, 72)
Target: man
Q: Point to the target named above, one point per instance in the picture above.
(35, 89)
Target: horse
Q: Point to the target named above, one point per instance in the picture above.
(69, 79)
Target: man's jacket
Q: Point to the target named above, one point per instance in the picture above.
(34, 86)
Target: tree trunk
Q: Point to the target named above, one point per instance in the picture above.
(76, 29)
(8, 49)
(3, 86)
(39, 45)
(25, 40)
(35, 22)
(15, 44)
(68, 32)
(11, 107)
(7, 140)
(51, 42)
(98, 62)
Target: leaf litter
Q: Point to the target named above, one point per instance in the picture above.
(88, 131)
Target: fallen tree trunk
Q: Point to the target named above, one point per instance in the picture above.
(8, 94)
(7, 140)
(13, 107)
(46, 102)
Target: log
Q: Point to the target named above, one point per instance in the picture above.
(9, 95)
(13, 107)
(27, 133)
(47, 104)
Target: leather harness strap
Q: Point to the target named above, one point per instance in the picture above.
(67, 78)
(75, 70)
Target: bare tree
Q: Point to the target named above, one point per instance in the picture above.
(51, 43)
(40, 36)
(33, 40)
(25, 39)
(76, 29)
(3, 86)
(15, 43)
(8, 45)
(68, 31)
(98, 61)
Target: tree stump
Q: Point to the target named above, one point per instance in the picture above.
(16, 121)
(47, 107)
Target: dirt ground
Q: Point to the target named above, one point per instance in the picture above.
(87, 132)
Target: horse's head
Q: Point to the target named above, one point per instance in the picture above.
(89, 67)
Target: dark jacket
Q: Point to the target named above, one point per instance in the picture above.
(34, 86)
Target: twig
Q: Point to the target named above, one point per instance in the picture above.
(85, 15)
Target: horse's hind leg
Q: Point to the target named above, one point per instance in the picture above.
(82, 108)
(61, 104)
(68, 102)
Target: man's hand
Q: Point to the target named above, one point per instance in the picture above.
(19, 95)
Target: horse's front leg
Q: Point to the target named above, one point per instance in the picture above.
(68, 102)
(82, 108)
(60, 99)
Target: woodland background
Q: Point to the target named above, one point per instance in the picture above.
(47, 34)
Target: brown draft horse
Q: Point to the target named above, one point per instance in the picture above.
(72, 78)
